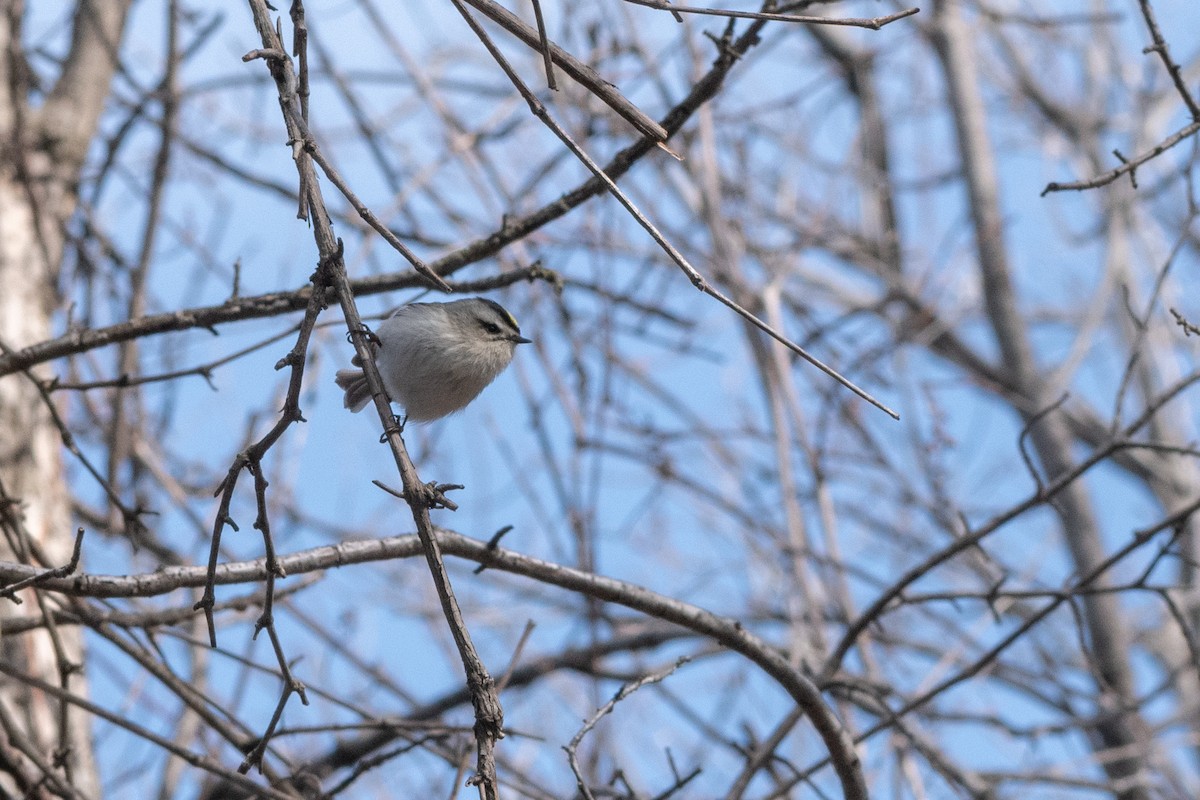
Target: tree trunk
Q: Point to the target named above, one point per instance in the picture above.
(41, 153)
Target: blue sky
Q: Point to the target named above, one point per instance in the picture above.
(663, 537)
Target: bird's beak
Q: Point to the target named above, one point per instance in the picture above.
(521, 340)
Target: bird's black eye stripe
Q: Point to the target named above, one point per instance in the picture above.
(490, 327)
(502, 314)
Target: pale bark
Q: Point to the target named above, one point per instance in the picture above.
(41, 153)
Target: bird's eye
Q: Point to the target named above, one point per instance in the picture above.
(491, 327)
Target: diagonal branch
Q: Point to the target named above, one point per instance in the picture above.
(874, 23)
(580, 72)
(489, 718)
(539, 110)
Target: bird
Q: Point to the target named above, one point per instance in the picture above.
(435, 358)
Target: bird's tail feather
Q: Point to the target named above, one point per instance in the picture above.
(354, 382)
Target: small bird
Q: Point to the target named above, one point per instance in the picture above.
(435, 358)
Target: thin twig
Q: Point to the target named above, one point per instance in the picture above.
(1021, 440)
(874, 23)
(580, 72)
(1173, 69)
(516, 656)
(1188, 328)
(11, 590)
(627, 689)
(547, 59)
(1128, 166)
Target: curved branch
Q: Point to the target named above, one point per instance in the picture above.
(726, 631)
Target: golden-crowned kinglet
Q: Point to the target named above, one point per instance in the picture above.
(435, 358)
